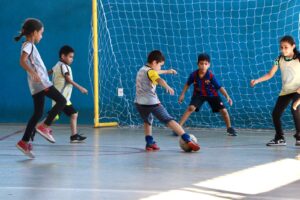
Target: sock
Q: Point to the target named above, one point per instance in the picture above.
(186, 137)
(149, 139)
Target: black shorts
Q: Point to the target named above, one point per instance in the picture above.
(215, 103)
(69, 110)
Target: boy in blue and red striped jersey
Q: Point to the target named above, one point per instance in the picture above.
(206, 88)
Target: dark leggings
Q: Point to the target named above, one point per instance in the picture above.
(281, 105)
(39, 101)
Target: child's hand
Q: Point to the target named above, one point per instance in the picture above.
(296, 104)
(229, 100)
(83, 90)
(181, 97)
(35, 77)
(253, 83)
(172, 71)
(170, 90)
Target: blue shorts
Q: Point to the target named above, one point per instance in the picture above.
(147, 112)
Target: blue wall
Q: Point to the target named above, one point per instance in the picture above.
(241, 37)
(65, 23)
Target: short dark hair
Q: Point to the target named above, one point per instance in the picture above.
(203, 57)
(65, 50)
(155, 55)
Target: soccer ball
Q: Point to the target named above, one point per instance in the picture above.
(184, 146)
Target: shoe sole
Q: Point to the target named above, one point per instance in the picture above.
(30, 155)
(44, 136)
(269, 145)
(150, 149)
(231, 135)
(77, 141)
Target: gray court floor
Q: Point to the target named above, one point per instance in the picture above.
(112, 164)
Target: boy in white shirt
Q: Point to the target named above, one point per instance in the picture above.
(63, 82)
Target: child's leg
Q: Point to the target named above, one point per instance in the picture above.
(73, 123)
(23, 145)
(147, 129)
(281, 104)
(60, 100)
(296, 104)
(145, 113)
(187, 114)
(296, 116)
(38, 101)
(162, 115)
(226, 117)
(196, 103)
(177, 128)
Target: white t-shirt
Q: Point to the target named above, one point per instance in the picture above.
(290, 74)
(59, 72)
(35, 61)
(146, 86)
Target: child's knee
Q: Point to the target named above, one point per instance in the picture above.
(224, 111)
(191, 108)
(74, 116)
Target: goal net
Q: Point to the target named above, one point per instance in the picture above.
(241, 37)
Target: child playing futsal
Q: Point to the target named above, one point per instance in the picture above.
(39, 84)
(63, 81)
(148, 104)
(206, 88)
(289, 64)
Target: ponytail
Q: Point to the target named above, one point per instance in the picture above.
(17, 38)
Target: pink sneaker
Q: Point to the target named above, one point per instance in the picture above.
(46, 133)
(26, 148)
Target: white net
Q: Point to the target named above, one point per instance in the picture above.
(242, 38)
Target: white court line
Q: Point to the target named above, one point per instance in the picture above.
(237, 185)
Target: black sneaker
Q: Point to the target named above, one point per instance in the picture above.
(297, 137)
(275, 142)
(77, 138)
(231, 132)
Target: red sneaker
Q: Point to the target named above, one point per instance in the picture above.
(46, 133)
(194, 146)
(152, 147)
(26, 148)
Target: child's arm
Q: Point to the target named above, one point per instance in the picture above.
(79, 87)
(266, 77)
(164, 84)
(225, 94)
(181, 97)
(32, 73)
(169, 71)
